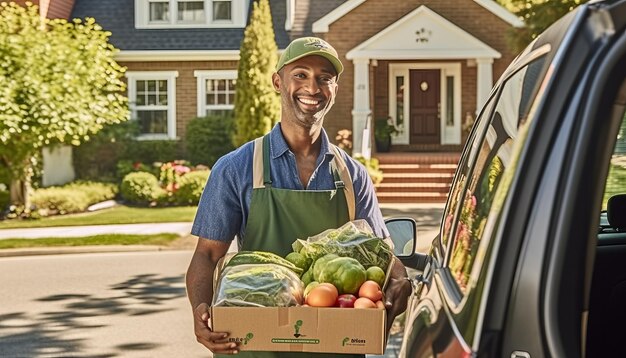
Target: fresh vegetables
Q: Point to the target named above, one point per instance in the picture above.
(345, 273)
(354, 239)
(261, 285)
(262, 257)
(343, 267)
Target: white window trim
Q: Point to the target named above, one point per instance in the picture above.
(202, 76)
(239, 13)
(170, 77)
(449, 134)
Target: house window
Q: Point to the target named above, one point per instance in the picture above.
(216, 92)
(159, 11)
(163, 14)
(191, 11)
(222, 10)
(152, 97)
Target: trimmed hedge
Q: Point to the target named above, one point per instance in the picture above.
(71, 198)
(190, 187)
(141, 188)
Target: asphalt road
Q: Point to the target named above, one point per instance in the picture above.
(96, 305)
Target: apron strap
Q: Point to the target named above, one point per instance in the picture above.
(261, 163)
(257, 164)
(341, 167)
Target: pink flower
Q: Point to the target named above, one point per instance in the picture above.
(181, 169)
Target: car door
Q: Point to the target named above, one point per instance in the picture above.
(446, 309)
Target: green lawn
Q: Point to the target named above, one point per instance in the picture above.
(158, 239)
(117, 215)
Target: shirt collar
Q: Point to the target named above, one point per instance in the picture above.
(278, 145)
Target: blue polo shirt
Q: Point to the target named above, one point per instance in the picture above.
(225, 203)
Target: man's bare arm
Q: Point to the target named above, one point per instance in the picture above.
(199, 281)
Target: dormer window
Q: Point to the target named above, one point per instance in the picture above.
(151, 14)
(191, 11)
(222, 10)
(159, 11)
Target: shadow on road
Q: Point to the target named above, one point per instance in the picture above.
(28, 334)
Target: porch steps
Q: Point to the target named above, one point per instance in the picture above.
(415, 177)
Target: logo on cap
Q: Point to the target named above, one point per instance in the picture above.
(318, 43)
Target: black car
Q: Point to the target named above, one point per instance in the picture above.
(527, 263)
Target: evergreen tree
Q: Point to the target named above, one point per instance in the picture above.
(257, 106)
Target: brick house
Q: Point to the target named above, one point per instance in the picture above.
(426, 64)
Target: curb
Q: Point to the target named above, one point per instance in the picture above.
(36, 251)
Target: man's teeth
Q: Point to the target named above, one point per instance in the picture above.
(308, 101)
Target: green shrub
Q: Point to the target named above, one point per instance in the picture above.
(150, 151)
(58, 200)
(141, 188)
(5, 198)
(71, 198)
(372, 168)
(208, 138)
(190, 187)
(96, 191)
(96, 159)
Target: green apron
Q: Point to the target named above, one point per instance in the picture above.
(279, 216)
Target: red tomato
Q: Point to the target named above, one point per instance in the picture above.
(370, 289)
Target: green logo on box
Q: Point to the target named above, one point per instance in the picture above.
(248, 337)
(297, 328)
(347, 341)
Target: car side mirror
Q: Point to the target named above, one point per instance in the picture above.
(403, 233)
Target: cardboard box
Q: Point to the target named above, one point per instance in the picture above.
(303, 329)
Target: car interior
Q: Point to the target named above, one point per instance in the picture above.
(607, 308)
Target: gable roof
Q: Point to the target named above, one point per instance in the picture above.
(118, 17)
(306, 12)
(322, 25)
(437, 38)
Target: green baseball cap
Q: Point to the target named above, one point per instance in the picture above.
(307, 46)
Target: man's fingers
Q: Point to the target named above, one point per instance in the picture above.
(217, 343)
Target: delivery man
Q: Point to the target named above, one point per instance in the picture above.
(291, 183)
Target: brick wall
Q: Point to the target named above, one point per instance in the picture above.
(59, 9)
(374, 16)
(186, 84)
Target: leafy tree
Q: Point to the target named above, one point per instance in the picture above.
(538, 15)
(59, 84)
(257, 106)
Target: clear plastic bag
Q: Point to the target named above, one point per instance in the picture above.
(258, 285)
(354, 239)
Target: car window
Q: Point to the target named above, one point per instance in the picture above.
(493, 156)
(616, 181)
(474, 140)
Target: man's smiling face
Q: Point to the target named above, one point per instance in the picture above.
(308, 87)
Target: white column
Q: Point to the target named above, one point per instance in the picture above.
(484, 81)
(361, 109)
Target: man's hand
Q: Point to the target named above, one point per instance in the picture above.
(216, 342)
(397, 292)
